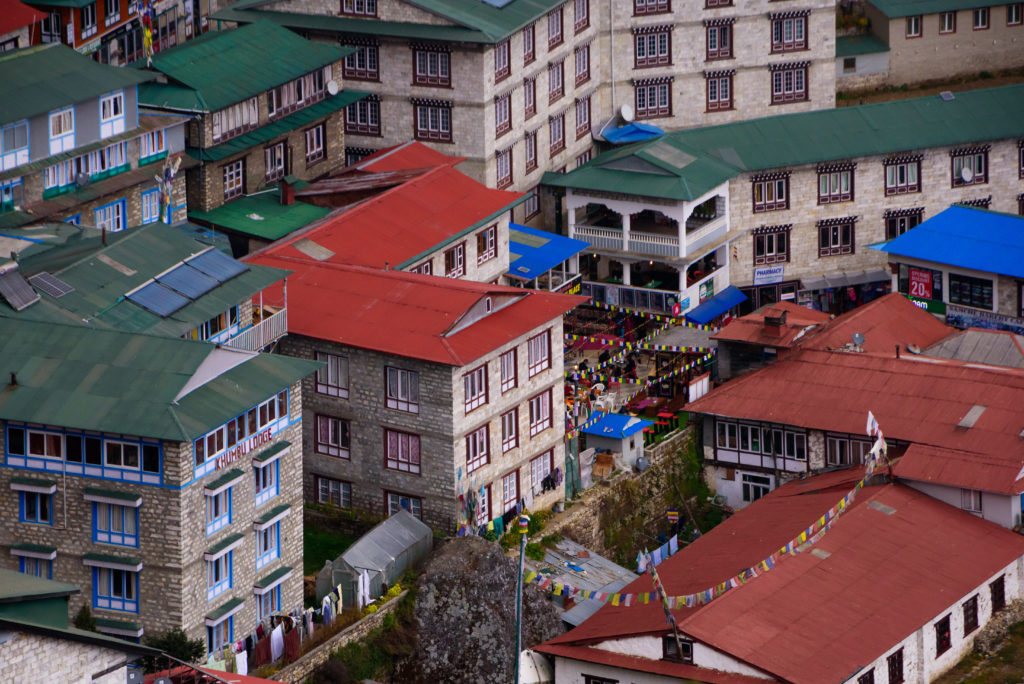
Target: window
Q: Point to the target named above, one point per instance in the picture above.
(540, 412)
(510, 490)
(362, 8)
(719, 90)
(111, 217)
(218, 511)
(755, 486)
(432, 68)
(150, 206)
(531, 207)
(970, 614)
(402, 451)
(840, 451)
(789, 83)
(867, 678)
(539, 352)
(556, 81)
(529, 97)
(410, 503)
(947, 22)
(234, 179)
(529, 44)
(363, 117)
(332, 436)
(502, 114)
(509, 371)
(434, 122)
(556, 134)
(540, 468)
(719, 41)
(475, 383)
(268, 603)
(920, 282)
(835, 237)
(771, 244)
(901, 176)
(36, 507)
(334, 492)
(835, 185)
(789, 33)
(363, 64)
(274, 157)
(483, 511)
(13, 145)
(235, 120)
(581, 15)
(1013, 14)
(87, 20)
(653, 99)
(165, 34)
(218, 575)
(455, 261)
(796, 445)
(750, 438)
(771, 193)
(980, 18)
(266, 478)
(37, 567)
(220, 634)
(582, 117)
(680, 650)
(62, 130)
(115, 589)
(151, 144)
(315, 150)
(651, 6)
(50, 28)
(970, 167)
(970, 500)
(486, 244)
(478, 448)
(968, 291)
(268, 544)
(555, 28)
(115, 524)
(726, 435)
(582, 54)
(899, 222)
(501, 61)
(652, 48)
(914, 26)
(112, 114)
(708, 4)
(583, 158)
(403, 390)
(510, 430)
(531, 156)
(998, 592)
(849, 65)
(943, 642)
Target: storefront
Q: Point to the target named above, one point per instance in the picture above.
(837, 293)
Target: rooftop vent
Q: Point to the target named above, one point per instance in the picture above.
(312, 249)
(972, 416)
(881, 507)
(820, 553)
(774, 319)
(947, 96)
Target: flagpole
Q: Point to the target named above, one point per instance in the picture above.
(523, 526)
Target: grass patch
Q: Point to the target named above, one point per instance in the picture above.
(377, 655)
(319, 545)
(1004, 667)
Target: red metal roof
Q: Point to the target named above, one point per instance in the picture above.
(404, 222)
(15, 15)
(406, 314)
(751, 328)
(885, 322)
(914, 398)
(408, 155)
(990, 473)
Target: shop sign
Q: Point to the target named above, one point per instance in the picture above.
(920, 283)
(681, 306)
(706, 290)
(933, 306)
(242, 448)
(768, 275)
(571, 287)
(966, 317)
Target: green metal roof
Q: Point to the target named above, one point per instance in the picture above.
(112, 494)
(496, 22)
(228, 476)
(265, 54)
(272, 451)
(685, 164)
(224, 609)
(271, 514)
(272, 577)
(850, 46)
(112, 381)
(276, 219)
(111, 559)
(40, 79)
(117, 625)
(45, 162)
(279, 127)
(33, 481)
(224, 543)
(34, 548)
(59, 3)
(17, 586)
(906, 8)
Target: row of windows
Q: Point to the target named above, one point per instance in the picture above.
(277, 160)
(653, 48)
(339, 493)
(268, 416)
(758, 439)
(82, 448)
(964, 290)
(980, 20)
(220, 570)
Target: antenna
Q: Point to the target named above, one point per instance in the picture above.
(858, 339)
(627, 112)
(967, 173)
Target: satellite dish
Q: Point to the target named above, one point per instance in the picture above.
(332, 87)
(81, 180)
(858, 339)
(913, 349)
(627, 112)
(967, 173)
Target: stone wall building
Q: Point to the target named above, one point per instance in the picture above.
(82, 150)
(166, 480)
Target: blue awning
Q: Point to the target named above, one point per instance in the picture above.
(712, 308)
(632, 132)
(534, 252)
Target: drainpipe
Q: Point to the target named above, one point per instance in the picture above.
(611, 51)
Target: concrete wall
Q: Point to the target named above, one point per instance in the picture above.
(870, 70)
(997, 508)
(27, 656)
(1005, 289)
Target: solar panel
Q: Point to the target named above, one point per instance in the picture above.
(188, 281)
(50, 284)
(15, 289)
(217, 264)
(156, 298)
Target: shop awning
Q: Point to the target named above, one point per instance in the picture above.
(632, 132)
(845, 279)
(534, 252)
(712, 308)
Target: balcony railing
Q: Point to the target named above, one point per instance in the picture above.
(639, 242)
(645, 298)
(262, 334)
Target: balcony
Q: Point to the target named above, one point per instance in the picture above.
(639, 242)
(261, 335)
(645, 298)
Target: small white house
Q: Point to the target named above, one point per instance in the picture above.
(618, 433)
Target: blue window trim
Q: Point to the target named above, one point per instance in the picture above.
(76, 219)
(225, 583)
(72, 134)
(126, 605)
(125, 511)
(46, 499)
(9, 185)
(266, 495)
(274, 600)
(211, 643)
(275, 426)
(121, 117)
(23, 566)
(225, 518)
(15, 150)
(143, 196)
(124, 214)
(274, 552)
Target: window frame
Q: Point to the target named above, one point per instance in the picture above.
(129, 584)
(432, 75)
(509, 361)
(899, 223)
(529, 44)
(644, 7)
(274, 158)
(410, 462)
(122, 537)
(219, 575)
(415, 503)
(87, 20)
(970, 284)
(529, 97)
(779, 41)
(582, 107)
(556, 28)
(268, 544)
(475, 388)
(765, 249)
(444, 130)
(362, 65)
(581, 16)
(581, 58)
(913, 27)
(835, 176)
(510, 430)
(531, 207)
(717, 103)
(755, 486)
(41, 511)
(1014, 12)
(502, 114)
(943, 635)
(338, 441)
(540, 467)
(267, 479)
(502, 60)
(775, 183)
(455, 261)
(970, 614)
(363, 117)
(669, 645)
(943, 16)
(316, 143)
(539, 422)
(642, 96)
(113, 123)
(722, 49)
(997, 593)
(510, 490)
(407, 380)
(322, 381)
(538, 358)
(837, 238)
(358, 8)
(959, 159)
(487, 243)
(643, 40)
(556, 81)
(478, 448)
(556, 134)
(981, 19)
(910, 167)
(220, 634)
(344, 491)
(234, 179)
(784, 83)
(215, 521)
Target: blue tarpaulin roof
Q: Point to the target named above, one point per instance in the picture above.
(632, 132)
(615, 426)
(966, 237)
(534, 252)
(716, 306)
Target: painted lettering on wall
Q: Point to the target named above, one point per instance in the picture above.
(242, 448)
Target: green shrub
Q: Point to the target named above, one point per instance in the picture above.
(535, 552)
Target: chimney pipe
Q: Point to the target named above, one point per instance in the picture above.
(103, 235)
(287, 193)
(897, 351)
(14, 379)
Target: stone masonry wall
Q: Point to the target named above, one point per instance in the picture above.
(35, 657)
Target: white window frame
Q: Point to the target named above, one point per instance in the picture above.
(540, 467)
(755, 486)
(971, 500)
(503, 168)
(510, 490)
(540, 412)
(509, 370)
(112, 114)
(556, 134)
(981, 20)
(538, 353)
(219, 573)
(509, 430)
(475, 387)
(406, 458)
(14, 156)
(458, 261)
(234, 179)
(402, 389)
(315, 143)
(333, 436)
(394, 500)
(110, 216)
(478, 448)
(332, 379)
(274, 159)
(152, 143)
(62, 130)
(334, 492)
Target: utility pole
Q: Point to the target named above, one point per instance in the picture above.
(524, 525)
